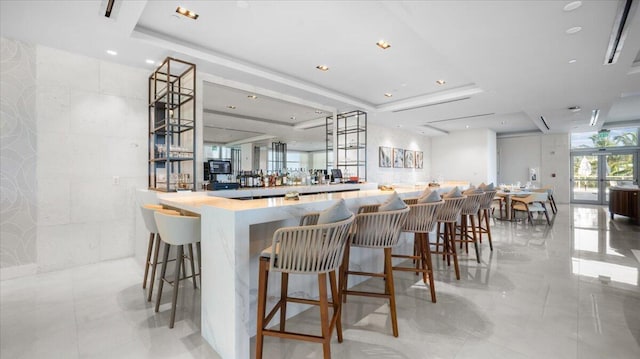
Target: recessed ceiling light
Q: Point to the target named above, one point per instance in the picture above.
(231, 107)
(441, 82)
(573, 30)
(318, 112)
(574, 108)
(502, 122)
(467, 126)
(573, 61)
(292, 117)
(253, 97)
(150, 62)
(322, 67)
(388, 94)
(572, 5)
(188, 13)
(383, 44)
(111, 52)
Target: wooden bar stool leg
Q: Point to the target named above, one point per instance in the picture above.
(176, 284)
(486, 220)
(429, 264)
(154, 266)
(163, 273)
(284, 288)
(337, 307)
(146, 264)
(418, 239)
(455, 256)
(193, 267)
(324, 315)
(344, 274)
(475, 239)
(391, 290)
(263, 278)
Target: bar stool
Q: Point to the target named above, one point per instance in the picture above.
(154, 243)
(308, 249)
(447, 217)
(176, 231)
(420, 221)
(468, 212)
(483, 216)
(376, 230)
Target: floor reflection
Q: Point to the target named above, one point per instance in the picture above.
(603, 248)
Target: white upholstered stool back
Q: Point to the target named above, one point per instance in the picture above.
(147, 216)
(177, 230)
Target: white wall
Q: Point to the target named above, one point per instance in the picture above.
(90, 135)
(383, 136)
(550, 153)
(465, 156)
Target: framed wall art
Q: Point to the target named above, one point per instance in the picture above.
(409, 158)
(398, 158)
(419, 159)
(384, 156)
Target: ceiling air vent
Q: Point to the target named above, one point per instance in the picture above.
(619, 31)
(431, 104)
(544, 123)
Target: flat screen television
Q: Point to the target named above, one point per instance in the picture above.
(220, 167)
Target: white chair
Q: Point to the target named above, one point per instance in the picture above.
(153, 247)
(306, 249)
(378, 230)
(420, 221)
(535, 202)
(176, 231)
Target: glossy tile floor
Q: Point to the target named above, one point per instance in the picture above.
(566, 291)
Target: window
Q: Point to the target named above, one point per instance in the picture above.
(616, 137)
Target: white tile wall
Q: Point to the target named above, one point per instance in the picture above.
(92, 125)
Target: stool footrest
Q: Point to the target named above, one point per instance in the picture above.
(368, 274)
(290, 335)
(406, 256)
(366, 294)
(410, 269)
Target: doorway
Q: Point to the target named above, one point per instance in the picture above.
(594, 172)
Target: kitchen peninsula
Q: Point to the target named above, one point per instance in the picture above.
(234, 232)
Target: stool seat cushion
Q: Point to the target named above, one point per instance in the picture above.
(393, 203)
(266, 253)
(336, 213)
(454, 193)
(433, 196)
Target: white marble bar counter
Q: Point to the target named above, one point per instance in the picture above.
(281, 190)
(233, 234)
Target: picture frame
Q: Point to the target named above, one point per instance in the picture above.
(398, 158)
(409, 158)
(384, 156)
(419, 159)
